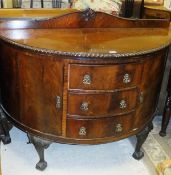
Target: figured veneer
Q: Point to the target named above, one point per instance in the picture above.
(105, 77)
(103, 104)
(100, 128)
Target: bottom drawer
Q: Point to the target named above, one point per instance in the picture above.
(99, 128)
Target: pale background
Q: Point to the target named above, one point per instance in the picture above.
(20, 158)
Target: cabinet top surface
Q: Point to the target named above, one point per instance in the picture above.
(104, 41)
(88, 34)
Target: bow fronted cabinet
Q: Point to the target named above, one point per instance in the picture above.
(81, 78)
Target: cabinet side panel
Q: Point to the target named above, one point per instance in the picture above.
(150, 86)
(9, 80)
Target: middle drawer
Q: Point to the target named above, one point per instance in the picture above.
(102, 104)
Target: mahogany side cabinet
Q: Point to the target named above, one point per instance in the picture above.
(81, 78)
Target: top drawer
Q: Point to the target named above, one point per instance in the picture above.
(104, 77)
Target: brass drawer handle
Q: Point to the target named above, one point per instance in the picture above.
(58, 102)
(87, 79)
(126, 78)
(84, 106)
(123, 104)
(141, 98)
(82, 131)
(118, 128)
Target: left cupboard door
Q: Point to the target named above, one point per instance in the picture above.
(32, 89)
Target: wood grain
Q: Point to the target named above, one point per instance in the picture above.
(43, 61)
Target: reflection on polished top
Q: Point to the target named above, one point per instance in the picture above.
(90, 40)
(88, 33)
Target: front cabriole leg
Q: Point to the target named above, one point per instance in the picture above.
(5, 127)
(40, 145)
(141, 137)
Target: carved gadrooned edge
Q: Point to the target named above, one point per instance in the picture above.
(82, 54)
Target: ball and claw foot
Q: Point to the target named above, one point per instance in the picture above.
(6, 139)
(40, 145)
(41, 165)
(141, 137)
(162, 134)
(5, 127)
(138, 155)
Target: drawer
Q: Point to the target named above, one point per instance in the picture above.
(104, 77)
(99, 128)
(102, 104)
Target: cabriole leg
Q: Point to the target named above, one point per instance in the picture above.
(40, 145)
(5, 127)
(141, 137)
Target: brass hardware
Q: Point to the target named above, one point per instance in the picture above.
(141, 98)
(123, 104)
(87, 79)
(58, 102)
(118, 128)
(82, 131)
(126, 78)
(84, 106)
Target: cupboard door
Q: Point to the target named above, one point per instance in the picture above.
(39, 87)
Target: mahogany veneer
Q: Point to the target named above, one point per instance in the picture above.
(84, 77)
